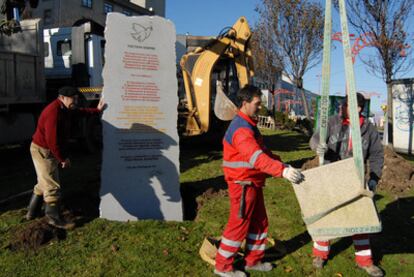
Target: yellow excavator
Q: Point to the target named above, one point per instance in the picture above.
(212, 75)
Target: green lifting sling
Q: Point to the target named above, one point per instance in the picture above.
(350, 85)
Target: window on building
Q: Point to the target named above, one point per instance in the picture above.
(87, 3)
(64, 48)
(108, 8)
(127, 13)
(47, 17)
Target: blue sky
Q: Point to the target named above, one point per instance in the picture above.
(209, 17)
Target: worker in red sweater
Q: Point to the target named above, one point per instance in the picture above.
(49, 153)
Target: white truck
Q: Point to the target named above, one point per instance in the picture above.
(74, 56)
(22, 82)
(35, 63)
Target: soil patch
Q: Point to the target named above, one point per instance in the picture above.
(397, 174)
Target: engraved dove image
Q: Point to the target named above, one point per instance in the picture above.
(141, 32)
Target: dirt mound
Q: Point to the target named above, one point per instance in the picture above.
(397, 174)
(195, 194)
(81, 208)
(311, 163)
(77, 208)
(35, 234)
(209, 194)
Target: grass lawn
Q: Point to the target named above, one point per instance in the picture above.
(154, 248)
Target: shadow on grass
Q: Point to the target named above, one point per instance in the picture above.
(296, 242)
(289, 246)
(286, 142)
(397, 236)
(79, 208)
(80, 187)
(192, 155)
(17, 173)
(299, 163)
(191, 190)
(199, 152)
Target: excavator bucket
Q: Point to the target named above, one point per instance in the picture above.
(224, 108)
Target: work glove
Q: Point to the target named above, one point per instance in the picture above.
(372, 185)
(291, 174)
(321, 149)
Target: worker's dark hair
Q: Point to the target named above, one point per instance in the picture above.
(360, 100)
(247, 93)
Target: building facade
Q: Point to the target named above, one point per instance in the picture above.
(290, 100)
(65, 13)
(155, 6)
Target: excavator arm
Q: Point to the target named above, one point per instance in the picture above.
(197, 67)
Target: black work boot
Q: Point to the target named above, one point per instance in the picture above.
(35, 205)
(53, 216)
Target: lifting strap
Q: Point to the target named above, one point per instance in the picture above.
(350, 86)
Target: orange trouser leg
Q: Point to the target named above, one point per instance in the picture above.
(321, 249)
(363, 255)
(257, 236)
(237, 228)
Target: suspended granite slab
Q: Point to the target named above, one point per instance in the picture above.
(333, 203)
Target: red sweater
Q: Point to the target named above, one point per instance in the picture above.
(53, 127)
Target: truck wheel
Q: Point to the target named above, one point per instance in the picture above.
(34, 3)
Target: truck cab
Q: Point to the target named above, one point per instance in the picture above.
(74, 56)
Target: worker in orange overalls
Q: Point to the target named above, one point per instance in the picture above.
(246, 164)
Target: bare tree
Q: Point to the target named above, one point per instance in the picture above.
(386, 22)
(266, 63)
(296, 36)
